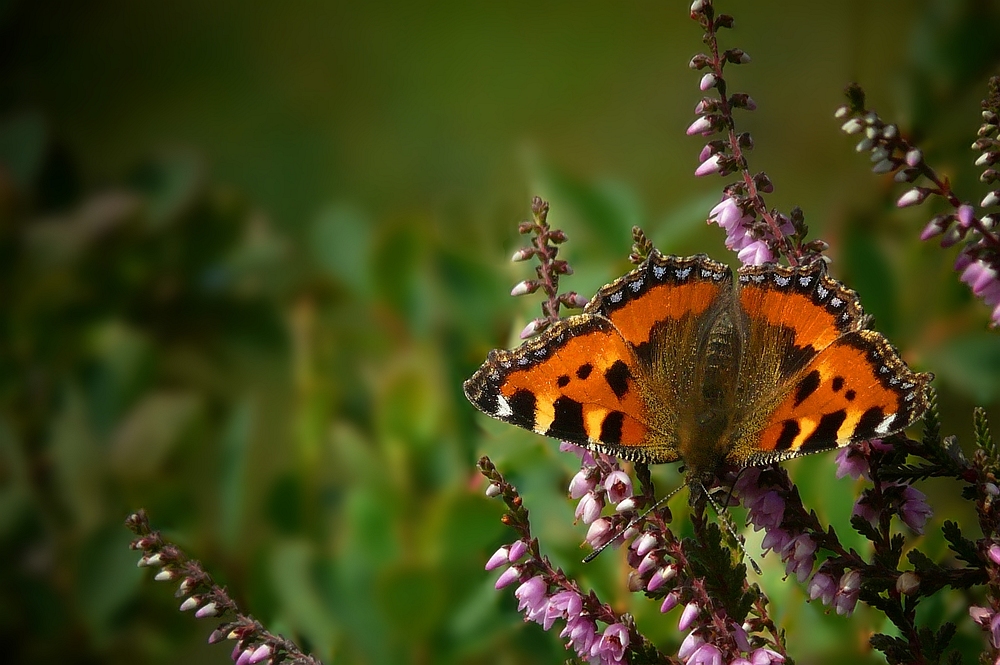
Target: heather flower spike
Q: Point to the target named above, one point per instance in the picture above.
(978, 259)
(758, 234)
(544, 246)
(253, 644)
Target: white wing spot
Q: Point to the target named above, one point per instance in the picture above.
(523, 360)
(822, 292)
(757, 278)
(636, 285)
(906, 386)
(615, 297)
(805, 280)
(884, 427)
(836, 302)
(683, 273)
(781, 280)
(541, 352)
(659, 271)
(503, 407)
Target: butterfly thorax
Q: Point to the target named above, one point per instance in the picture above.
(703, 386)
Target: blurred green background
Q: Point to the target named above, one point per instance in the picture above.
(250, 251)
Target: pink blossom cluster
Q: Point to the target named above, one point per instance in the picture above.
(544, 602)
(766, 510)
(696, 650)
(600, 481)
(982, 278)
(729, 216)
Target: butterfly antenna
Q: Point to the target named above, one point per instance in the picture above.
(727, 520)
(593, 555)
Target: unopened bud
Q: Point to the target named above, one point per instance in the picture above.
(913, 197)
(852, 126)
(524, 288)
(908, 583)
(523, 254)
(991, 199)
(189, 603)
(708, 82)
(885, 166)
(914, 157)
(841, 112)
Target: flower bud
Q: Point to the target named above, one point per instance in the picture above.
(913, 197)
(908, 583)
(852, 126)
(523, 254)
(708, 82)
(841, 112)
(914, 157)
(525, 287)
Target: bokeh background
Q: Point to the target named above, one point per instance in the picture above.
(250, 251)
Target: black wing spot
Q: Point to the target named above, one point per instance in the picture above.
(789, 430)
(850, 395)
(562, 381)
(568, 420)
(807, 386)
(825, 434)
(869, 420)
(523, 405)
(796, 358)
(838, 383)
(583, 371)
(611, 428)
(617, 377)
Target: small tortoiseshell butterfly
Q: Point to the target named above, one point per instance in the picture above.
(677, 361)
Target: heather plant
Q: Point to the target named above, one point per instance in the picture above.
(695, 570)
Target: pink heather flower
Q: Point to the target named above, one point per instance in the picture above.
(689, 645)
(850, 462)
(499, 558)
(995, 631)
(661, 577)
(563, 605)
(517, 550)
(590, 507)
(598, 532)
(741, 638)
(777, 540)
(611, 647)
(740, 661)
(822, 586)
(915, 511)
(580, 633)
(508, 577)
(688, 616)
(618, 486)
(648, 563)
(244, 657)
(965, 215)
(726, 213)
(701, 126)
(799, 557)
(756, 253)
(765, 656)
(767, 511)
(864, 509)
(263, 652)
(707, 82)
(847, 594)
(669, 603)
(706, 654)
(584, 481)
(705, 153)
(709, 166)
(994, 554)
(533, 598)
(933, 228)
(645, 544)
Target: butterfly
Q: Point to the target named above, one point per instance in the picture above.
(677, 361)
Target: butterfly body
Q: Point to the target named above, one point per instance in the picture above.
(679, 361)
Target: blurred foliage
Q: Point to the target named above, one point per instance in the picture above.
(273, 366)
